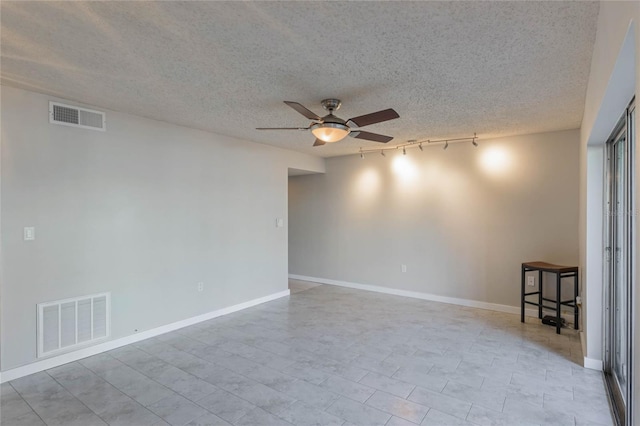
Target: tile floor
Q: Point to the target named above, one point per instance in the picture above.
(296, 286)
(326, 356)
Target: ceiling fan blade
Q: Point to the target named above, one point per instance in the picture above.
(370, 136)
(318, 142)
(303, 110)
(374, 117)
(282, 128)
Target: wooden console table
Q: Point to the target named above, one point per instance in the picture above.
(560, 272)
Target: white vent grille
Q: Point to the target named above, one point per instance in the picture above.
(66, 324)
(69, 115)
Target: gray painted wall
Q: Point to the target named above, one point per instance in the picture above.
(462, 220)
(145, 210)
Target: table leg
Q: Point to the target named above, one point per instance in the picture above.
(558, 317)
(522, 298)
(576, 312)
(540, 294)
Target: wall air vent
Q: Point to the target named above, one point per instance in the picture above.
(66, 324)
(69, 115)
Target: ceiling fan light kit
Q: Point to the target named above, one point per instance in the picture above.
(330, 129)
(330, 132)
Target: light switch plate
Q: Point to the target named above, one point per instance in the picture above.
(29, 233)
(279, 222)
(531, 281)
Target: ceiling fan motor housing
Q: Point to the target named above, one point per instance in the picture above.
(331, 104)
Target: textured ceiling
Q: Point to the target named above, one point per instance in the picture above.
(448, 68)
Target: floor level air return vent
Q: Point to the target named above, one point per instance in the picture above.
(64, 325)
(69, 115)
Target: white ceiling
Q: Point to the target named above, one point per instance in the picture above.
(448, 68)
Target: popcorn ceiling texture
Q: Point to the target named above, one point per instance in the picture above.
(448, 68)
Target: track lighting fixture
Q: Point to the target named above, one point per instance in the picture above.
(412, 143)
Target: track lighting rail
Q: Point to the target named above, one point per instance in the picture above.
(419, 144)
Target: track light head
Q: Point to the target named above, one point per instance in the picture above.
(474, 142)
(446, 145)
(404, 151)
(420, 146)
(383, 154)
(362, 155)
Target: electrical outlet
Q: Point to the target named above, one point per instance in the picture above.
(404, 268)
(531, 281)
(200, 286)
(29, 233)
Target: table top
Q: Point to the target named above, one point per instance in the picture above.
(549, 267)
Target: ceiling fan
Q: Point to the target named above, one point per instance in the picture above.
(330, 128)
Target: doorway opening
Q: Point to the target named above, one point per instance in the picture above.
(300, 204)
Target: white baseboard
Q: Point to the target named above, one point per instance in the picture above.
(58, 360)
(424, 296)
(593, 364)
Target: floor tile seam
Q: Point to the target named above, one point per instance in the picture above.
(396, 370)
(468, 410)
(229, 392)
(387, 357)
(141, 373)
(175, 366)
(347, 396)
(78, 399)
(186, 337)
(242, 356)
(101, 378)
(195, 339)
(145, 374)
(505, 403)
(27, 402)
(206, 381)
(392, 414)
(100, 354)
(449, 396)
(550, 395)
(336, 394)
(358, 402)
(370, 396)
(469, 413)
(408, 398)
(250, 402)
(388, 377)
(274, 353)
(244, 415)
